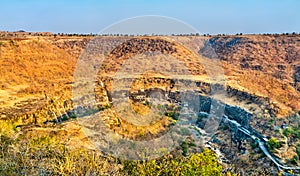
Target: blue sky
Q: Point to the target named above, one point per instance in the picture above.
(210, 16)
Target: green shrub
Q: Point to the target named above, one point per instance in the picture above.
(174, 115)
(298, 150)
(204, 163)
(291, 132)
(46, 155)
(295, 159)
(273, 144)
(184, 146)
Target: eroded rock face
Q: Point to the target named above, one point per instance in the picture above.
(140, 45)
(73, 46)
(238, 114)
(297, 78)
(148, 45)
(273, 59)
(114, 61)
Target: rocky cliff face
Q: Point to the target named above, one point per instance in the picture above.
(297, 78)
(273, 59)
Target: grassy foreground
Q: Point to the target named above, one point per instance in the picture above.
(46, 155)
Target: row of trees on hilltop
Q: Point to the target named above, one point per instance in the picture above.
(191, 34)
(49, 34)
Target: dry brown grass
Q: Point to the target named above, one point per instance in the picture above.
(32, 69)
(263, 65)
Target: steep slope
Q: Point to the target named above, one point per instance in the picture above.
(264, 65)
(32, 69)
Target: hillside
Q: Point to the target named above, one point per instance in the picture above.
(262, 75)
